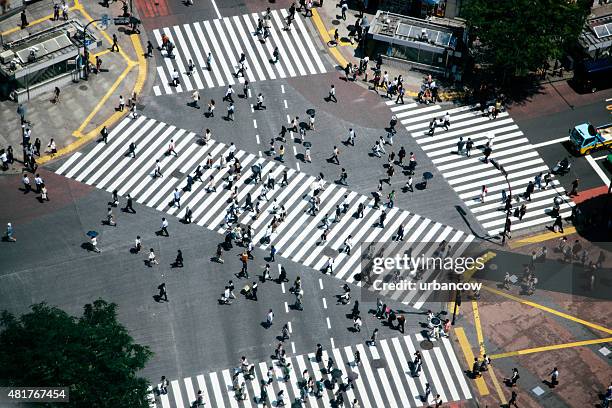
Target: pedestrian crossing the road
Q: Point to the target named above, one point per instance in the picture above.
(226, 39)
(384, 378)
(297, 238)
(467, 175)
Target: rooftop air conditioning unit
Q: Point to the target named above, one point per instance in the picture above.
(6, 56)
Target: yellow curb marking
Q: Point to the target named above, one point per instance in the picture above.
(498, 388)
(469, 358)
(140, 80)
(316, 18)
(37, 21)
(105, 98)
(98, 54)
(547, 236)
(551, 347)
(478, 327)
(549, 310)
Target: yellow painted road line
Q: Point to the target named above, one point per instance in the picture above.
(316, 18)
(478, 327)
(99, 54)
(498, 388)
(105, 98)
(142, 63)
(549, 310)
(469, 358)
(552, 347)
(486, 257)
(34, 22)
(104, 34)
(534, 239)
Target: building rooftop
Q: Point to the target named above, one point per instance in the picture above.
(396, 28)
(42, 49)
(597, 34)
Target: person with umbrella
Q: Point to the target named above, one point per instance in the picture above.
(93, 240)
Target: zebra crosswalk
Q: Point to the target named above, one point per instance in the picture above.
(297, 238)
(226, 39)
(384, 378)
(467, 175)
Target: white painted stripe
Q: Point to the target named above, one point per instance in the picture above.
(361, 389)
(218, 57)
(167, 61)
(456, 368)
(339, 227)
(367, 370)
(179, 62)
(132, 163)
(428, 364)
(249, 63)
(156, 90)
(283, 59)
(270, 50)
(106, 150)
(195, 75)
(345, 368)
(213, 65)
(216, 8)
(139, 164)
(227, 386)
(415, 112)
(191, 396)
(227, 47)
(110, 160)
(246, 39)
(165, 401)
(598, 170)
(533, 223)
(313, 222)
(287, 41)
(201, 59)
(164, 80)
(202, 386)
(249, 40)
(176, 391)
(302, 49)
(69, 162)
(551, 142)
(412, 387)
(394, 373)
(309, 44)
(446, 373)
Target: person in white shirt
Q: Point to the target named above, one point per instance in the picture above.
(260, 100)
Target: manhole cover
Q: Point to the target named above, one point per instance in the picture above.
(140, 106)
(335, 22)
(83, 87)
(121, 29)
(177, 174)
(379, 363)
(426, 345)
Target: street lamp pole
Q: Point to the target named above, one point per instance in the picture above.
(85, 51)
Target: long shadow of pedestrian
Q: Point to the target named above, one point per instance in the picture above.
(87, 246)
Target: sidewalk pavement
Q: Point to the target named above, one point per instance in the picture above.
(328, 18)
(85, 107)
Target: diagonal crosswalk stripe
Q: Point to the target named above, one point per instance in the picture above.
(467, 175)
(106, 166)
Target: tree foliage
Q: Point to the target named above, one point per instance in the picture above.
(519, 36)
(93, 355)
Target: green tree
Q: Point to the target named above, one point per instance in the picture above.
(516, 37)
(93, 355)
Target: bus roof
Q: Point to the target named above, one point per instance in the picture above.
(598, 65)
